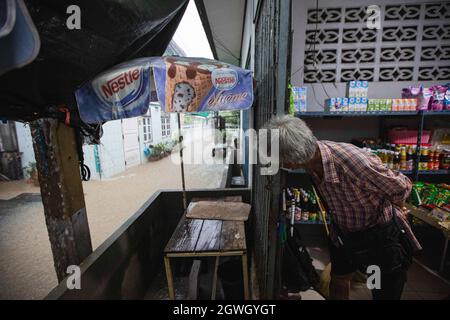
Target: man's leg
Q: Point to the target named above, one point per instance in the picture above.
(393, 261)
(341, 273)
(391, 286)
(340, 286)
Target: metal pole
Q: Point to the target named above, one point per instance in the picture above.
(180, 140)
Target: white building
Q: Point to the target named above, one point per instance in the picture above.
(123, 141)
(121, 145)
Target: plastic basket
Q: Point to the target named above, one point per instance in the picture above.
(405, 136)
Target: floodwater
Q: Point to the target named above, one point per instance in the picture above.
(26, 263)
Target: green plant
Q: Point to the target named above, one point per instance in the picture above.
(30, 169)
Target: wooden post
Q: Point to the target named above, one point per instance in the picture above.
(62, 193)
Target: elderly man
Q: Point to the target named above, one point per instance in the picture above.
(365, 202)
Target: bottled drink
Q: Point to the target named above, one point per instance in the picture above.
(397, 161)
(409, 158)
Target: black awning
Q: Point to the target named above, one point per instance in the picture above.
(112, 31)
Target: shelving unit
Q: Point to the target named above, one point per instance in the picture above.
(419, 115)
(377, 121)
(309, 222)
(320, 114)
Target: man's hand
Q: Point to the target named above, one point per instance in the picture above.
(401, 206)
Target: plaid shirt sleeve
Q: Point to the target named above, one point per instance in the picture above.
(371, 174)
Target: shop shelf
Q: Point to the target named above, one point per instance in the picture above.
(355, 114)
(434, 172)
(437, 113)
(309, 222)
(294, 170)
(319, 114)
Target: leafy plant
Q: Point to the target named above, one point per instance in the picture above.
(30, 169)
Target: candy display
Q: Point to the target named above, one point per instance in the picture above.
(437, 97)
(421, 94)
(434, 98)
(431, 196)
(447, 98)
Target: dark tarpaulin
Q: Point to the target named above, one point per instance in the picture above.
(112, 31)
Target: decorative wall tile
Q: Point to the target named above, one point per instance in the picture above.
(325, 15)
(359, 35)
(436, 32)
(397, 54)
(437, 11)
(356, 14)
(400, 33)
(402, 12)
(435, 53)
(323, 36)
(360, 74)
(321, 75)
(396, 74)
(358, 55)
(434, 73)
(412, 44)
(322, 56)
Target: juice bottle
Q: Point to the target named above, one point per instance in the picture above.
(397, 161)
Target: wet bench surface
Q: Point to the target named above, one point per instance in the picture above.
(199, 235)
(203, 238)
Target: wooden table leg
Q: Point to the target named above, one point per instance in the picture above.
(214, 283)
(245, 276)
(169, 277)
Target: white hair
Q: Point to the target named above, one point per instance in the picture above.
(297, 142)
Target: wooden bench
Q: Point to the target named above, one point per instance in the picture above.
(207, 238)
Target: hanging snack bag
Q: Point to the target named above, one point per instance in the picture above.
(447, 98)
(437, 98)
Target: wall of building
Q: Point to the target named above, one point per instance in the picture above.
(338, 50)
(106, 159)
(410, 31)
(25, 144)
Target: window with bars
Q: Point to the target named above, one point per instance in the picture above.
(147, 128)
(165, 125)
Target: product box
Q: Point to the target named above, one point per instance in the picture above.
(363, 104)
(387, 104)
(299, 98)
(379, 104)
(404, 104)
(351, 104)
(336, 104)
(357, 89)
(373, 105)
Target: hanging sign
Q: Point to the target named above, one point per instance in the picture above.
(122, 92)
(198, 84)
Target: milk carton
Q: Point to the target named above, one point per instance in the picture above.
(357, 89)
(352, 104)
(344, 104)
(299, 98)
(336, 105)
(364, 102)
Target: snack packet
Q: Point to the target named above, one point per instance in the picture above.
(437, 98)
